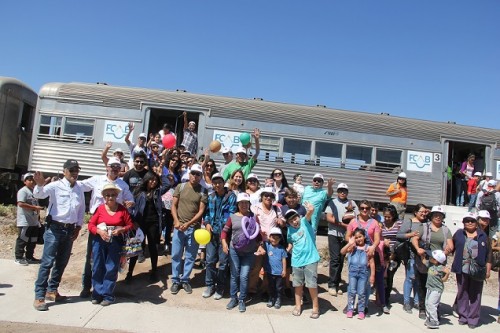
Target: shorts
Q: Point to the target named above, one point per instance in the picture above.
(307, 275)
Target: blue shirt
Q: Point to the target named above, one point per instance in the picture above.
(318, 198)
(273, 262)
(304, 250)
(218, 210)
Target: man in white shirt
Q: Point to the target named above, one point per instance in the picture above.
(64, 221)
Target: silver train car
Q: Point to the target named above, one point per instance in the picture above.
(364, 150)
(17, 114)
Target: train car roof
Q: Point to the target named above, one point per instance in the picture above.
(260, 110)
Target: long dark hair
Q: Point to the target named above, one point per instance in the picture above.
(143, 186)
(284, 182)
(214, 170)
(392, 210)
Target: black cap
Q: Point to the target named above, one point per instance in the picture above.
(71, 164)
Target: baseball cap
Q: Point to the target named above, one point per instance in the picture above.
(154, 143)
(402, 175)
(342, 185)
(118, 150)
(252, 176)
(196, 168)
(143, 135)
(111, 186)
(492, 182)
(290, 213)
(438, 209)
(226, 150)
(269, 190)
(477, 174)
(215, 176)
(275, 231)
(192, 122)
(71, 164)
(242, 197)
(113, 160)
(488, 174)
(27, 175)
(241, 150)
(318, 175)
(469, 215)
(484, 214)
(439, 256)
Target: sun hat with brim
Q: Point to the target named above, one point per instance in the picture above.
(111, 187)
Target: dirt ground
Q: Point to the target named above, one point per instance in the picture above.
(140, 290)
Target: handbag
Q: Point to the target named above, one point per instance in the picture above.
(41, 232)
(495, 261)
(402, 251)
(477, 272)
(132, 246)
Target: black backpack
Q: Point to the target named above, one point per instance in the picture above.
(489, 201)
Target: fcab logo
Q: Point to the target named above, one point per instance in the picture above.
(116, 129)
(228, 139)
(419, 161)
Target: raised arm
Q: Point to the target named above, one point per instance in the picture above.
(256, 135)
(130, 130)
(104, 154)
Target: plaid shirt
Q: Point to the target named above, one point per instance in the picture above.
(190, 141)
(218, 210)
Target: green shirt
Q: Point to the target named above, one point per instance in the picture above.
(246, 167)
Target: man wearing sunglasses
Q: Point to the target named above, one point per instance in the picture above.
(95, 185)
(64, 221)
(134, 176)
(316, 195)
(138, 147)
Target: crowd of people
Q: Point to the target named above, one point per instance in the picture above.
(168, 194)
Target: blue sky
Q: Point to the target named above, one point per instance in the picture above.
(426, 59)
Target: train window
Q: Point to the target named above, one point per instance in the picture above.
(269, 148)
(82, 130)
(50, 126)
(296, 151)
(329, 154)
(358, 157)
(387, 160)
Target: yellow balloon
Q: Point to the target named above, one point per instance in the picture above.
(202, 236)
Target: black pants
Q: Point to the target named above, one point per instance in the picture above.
(26, 242)
(422, 290)
(87, 267)
(389, 283)
(274, 286)
(168, 223)
(152, 234)
(335, 244)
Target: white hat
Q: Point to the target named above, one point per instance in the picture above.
(226, 150)
(267, 190)
(275, 231)
(477, 174)
(216, 175)
(438, 209)
(27, 175)
(342, 185)
(196, 168)
(252, 175)
(291, 212)
(111, 186)
(402, 175)
(484, 214)
(243, 196)
(318, 175)
(191, 122)
(241, 150)
(488, 174)
(469, 215)
(439, 256)
(114, 160)
(492, 182)
(118, 150)
(143, 135)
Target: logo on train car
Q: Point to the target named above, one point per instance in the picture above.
(227, 139)
(498, 170)
(419, 161)
(115, 131)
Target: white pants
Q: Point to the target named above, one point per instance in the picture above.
(432, 300)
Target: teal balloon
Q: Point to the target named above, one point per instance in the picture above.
(245, 138)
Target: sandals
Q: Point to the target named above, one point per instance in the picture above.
(314, 315)
(296, 312)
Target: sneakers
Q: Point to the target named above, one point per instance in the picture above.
(421, 314)
(33, 261)
(187, 287)
(349, 314)
(332, 291)
(22, 262)
(175, 288)
(106, 303)
(96, 301)
(241, 306)
(218, 295)
(85, 293)
(141, 258)
(40, 305)
(361, 315)
(277, 304)
(386, 310)
(209, 291)
(54, 296)
(430, 324)
(407, 308)
(270, 303)
(232, 304)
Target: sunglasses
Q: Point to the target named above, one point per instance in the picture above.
(74, 170)
(115, 166)
(342, 191)
(268, 195)
(364, 208)
(139, 162)
(278, 174)
(210, 165)
(470, 221)
(196, 174)
(317, 180)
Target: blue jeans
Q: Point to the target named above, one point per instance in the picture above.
(240, 264)
(410, 283)
(472, 201)
(183, 243)
(106, 262)
(358, 278)
(55, 257)
(216, 276)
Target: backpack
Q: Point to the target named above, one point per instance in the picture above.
(368, 240)
(489, 201)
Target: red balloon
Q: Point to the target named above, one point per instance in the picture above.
(168, 141)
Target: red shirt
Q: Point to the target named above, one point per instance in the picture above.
(472, 186)
(121, 218)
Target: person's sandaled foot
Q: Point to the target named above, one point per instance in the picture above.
(296, 312)
(314, 315)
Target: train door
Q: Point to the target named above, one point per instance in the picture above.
(456, 153)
